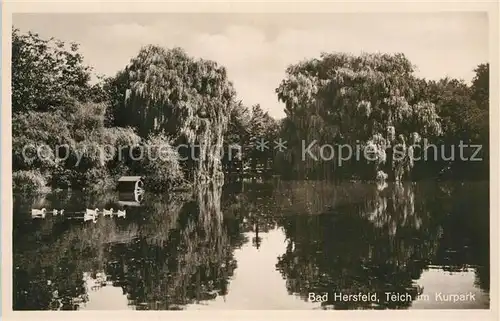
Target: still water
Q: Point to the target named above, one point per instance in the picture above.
(258, 246)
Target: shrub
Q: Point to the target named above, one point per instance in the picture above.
(160, 164)
(62, 178)
(31, 181)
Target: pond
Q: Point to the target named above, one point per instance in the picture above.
(271, 245)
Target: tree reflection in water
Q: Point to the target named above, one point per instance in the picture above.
(187, 259)
(378, 245)
(177, 249)
(173, 251)
(254, 210)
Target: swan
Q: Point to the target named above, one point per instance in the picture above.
(121, 213)
(107, 212)
(92, 212)
(35, 213)
(90, 217)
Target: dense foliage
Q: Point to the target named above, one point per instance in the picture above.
(188, 99)
(376, 103)
(55, 105)
(47, 72)
(163, 97)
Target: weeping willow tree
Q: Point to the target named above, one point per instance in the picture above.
(367, 101)
(189, 99)
(303, 122)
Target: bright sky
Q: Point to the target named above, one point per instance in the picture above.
(256, 48)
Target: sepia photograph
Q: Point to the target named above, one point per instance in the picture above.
(250, 161)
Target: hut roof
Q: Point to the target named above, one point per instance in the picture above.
(129, 178)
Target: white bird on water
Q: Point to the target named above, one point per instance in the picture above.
(107, 212)
(92, 212)
(56, 212)
(91, 215)
(35, 213)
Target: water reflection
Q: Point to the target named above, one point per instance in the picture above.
(255, 246)
(172, 251)
(380, 248)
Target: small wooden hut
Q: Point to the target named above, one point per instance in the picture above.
(130, 199)
(130, 184)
